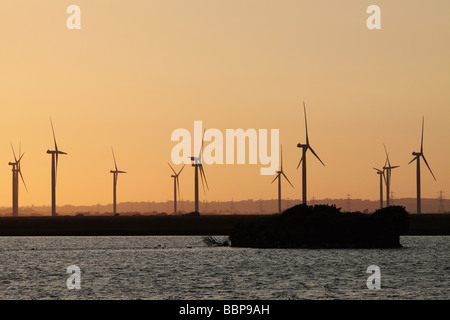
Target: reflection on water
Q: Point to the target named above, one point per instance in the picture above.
(185, 268)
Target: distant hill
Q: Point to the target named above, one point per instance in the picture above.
(250, 206)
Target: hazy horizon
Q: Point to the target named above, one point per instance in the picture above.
(136, 72)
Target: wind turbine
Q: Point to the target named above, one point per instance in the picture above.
(15, 181)
(198, 166)
(176, 186)
(382, 176)
(417, 156)
(305, 148)
(54, 154)
(115, 176)
(279, 174)
(388, 169)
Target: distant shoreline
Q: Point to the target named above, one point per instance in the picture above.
(425, 224)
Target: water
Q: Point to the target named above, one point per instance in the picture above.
(132, 268)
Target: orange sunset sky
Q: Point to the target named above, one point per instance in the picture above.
(138, 70)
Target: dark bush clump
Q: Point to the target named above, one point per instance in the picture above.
(324, 226)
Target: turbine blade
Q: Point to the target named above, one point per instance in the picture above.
(287, 180)
(54, 137)
(56, 148)
(281, 158)
(114, 157)
(387, 156)
(202, 173)
(300, 162)
(276, 177)
(306, 124)
(24, 184)
(201, 148)
(428, 166)
(203, 182)
(316, 155)
(412, 160)
(421, 141)
(15, 159)
(172, 169)
(180, 170)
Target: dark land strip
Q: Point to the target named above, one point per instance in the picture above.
(424, 224)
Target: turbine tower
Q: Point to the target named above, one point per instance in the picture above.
(279, 174)
(15, 181)
(305, 148)
(55, 153)
(198, 166)
(176, 187)
(115, 176)
(382, 176)
(417, 156)
(388, 169)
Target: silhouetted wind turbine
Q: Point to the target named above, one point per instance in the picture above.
(388, 169)
(198, 165)
(54, 154)
(279, 174)
(382, 176)
(417, 156)
(176, 187)
(15, 181)
(305, 148)
(115, 176)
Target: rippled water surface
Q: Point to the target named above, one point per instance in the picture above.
(185, 268)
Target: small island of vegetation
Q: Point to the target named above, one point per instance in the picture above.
(324, 226)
